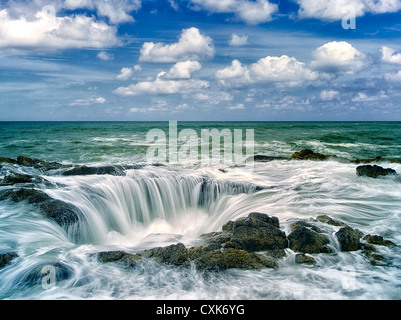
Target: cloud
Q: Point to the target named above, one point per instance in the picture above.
(396, 77)
(240, 106)
(183, 70)
(237, 40)
(333, 10)
(126, 73)
(103, 55)
(269, 69)
(88, 102)
(282, 68)
(161, 86)
(46, 31)
(389, 55)
(328, 95)
(117, 11)
(192, 45)
(338, 57)
(251, 12)
(236, 72)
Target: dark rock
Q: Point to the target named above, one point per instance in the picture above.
(308, 155)
(378, 240)
(260, 239)
(228, 227)
(175, 254)
(57, 210)
(233, 258)
(131, 260)
(302, 258)
(39, 164)
(114, 170)
(305, 240)
(263, 158)
(373, 171)
(8, 160)
(349, 239)
(6, 258)
(303, 223)
(17, 178)
(330, 221)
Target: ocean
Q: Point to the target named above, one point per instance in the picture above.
(152, 205)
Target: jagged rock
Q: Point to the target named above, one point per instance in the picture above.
(373, 171)
(349, 239)
(378, 240)
(6, 258)
(176, 254)
(303, 239)
(17, 178)
(308, 155)
(330, 221)
(128, 259)
(115, 170)
(302, 258)
(232, 258)
(39, 164)
(8, 160)
(263, 158)
(57, 210)
(258, 232)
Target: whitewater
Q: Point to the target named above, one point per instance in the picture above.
(152, 206)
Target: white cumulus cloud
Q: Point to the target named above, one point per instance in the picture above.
(192, 45)
(338, 57)
(389, 55)
(183, 70)
(47, 31)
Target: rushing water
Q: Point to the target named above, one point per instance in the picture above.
(153, 206)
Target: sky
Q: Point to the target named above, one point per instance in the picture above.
(200, 60)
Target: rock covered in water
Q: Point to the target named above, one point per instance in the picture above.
(373, 171)
(306, 240)
(349, 239)
(308, 155)
(128, 259)
(57, 210)
(6, 258)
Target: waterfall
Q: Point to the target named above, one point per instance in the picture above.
(146, 201)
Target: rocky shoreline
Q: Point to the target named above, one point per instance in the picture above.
(253, 242)
(257, 242)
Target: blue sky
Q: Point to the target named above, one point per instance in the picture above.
(220, 60)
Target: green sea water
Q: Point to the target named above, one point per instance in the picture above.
(113, 142)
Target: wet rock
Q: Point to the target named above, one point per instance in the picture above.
(39, 164)
(349, 239)
(330, 221)
(176, 254)
(17, 178)
(8, 160)
(257, 232)
(302, 258)
(114, 170)
(57, 210)
(378, 240)
(232, 258)
(308, 155)
(131, 260)
(373, 171)
(263, 158)
(305, 240)
(6, 258)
